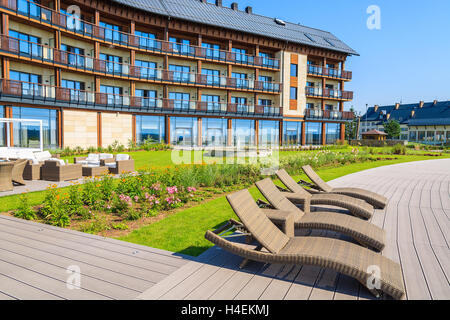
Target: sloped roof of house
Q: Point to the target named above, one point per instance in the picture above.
(429, 114)
(221, 16)
(374, 132)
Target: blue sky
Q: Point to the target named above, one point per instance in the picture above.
(407, 60)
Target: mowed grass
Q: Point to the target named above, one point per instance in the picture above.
(183, 232)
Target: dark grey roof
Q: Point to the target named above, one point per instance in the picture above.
(210, 14)
(429, 114)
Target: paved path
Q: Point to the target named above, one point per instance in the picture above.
(417, 224)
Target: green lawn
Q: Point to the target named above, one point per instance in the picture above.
(184, 231)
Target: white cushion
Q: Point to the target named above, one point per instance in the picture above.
(94, 163)
(93, 157)
(26, 154)
(104, 156)
(121, 157)
(42, 156)
(111, 165)
(83, 162)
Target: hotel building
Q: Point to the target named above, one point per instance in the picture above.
(183, 72)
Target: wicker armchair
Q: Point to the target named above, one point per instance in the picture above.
(57, 170)
(17, 171)
(6, 175)
(121, 163)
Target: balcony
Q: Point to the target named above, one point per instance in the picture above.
(83, 28)
(49, 55)
(329, 72)
(328, 94)
(34, 93)
(329, 115)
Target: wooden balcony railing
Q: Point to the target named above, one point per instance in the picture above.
(84, 28)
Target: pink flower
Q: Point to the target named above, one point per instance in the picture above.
(136, 198)
(172, 190)
(191, 189)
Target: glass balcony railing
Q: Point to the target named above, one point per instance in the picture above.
(329, 114)
(328, 93)
(74, 24)
(40, 93)
(67, 59)
(329, 72)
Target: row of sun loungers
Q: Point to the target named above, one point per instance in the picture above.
(271, 224)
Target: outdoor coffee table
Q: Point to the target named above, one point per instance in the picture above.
(94, 171)
(6, 168)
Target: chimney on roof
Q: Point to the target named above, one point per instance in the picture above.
(249, 10)
(219, 3)
(397, 105)
(435, 102)
(234, 6)
(376, 107)
(413, 112)
(388, 116)
(421, 104)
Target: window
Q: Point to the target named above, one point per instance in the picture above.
(267, 104)
(310, 106)
(267, 83)
(212, 76)
(183, 131)
(148, 97)
(243, 132)
(26, 135)
(213, 50)
(75, 86)
(113, 34)
(29, 7)
(2, 128)
(113, 63)
(180, 45)
(329, 107)
(147, 69)
(27, 44)
(267, 60)
(294, 70)
(292, 132)
(150, 129)
(180, 73)
(269, 133)
(241, 55)
(213, 102)
(147, 40)
(241, 79)
(113, 94)
(313, 133)
(31, 83)
(75, 55)
(333, 132)
(241, 104)
(180, 100)
(214, 132)
(293, 94)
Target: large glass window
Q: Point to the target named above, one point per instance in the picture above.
(292, 132)
(180, 100)
(31, 83)
(243, 132)
(183, 131)
(113, 34)
(212, 51)
(150, 128)
(421, 136)
(313, 133)
(180, 45)
(241, 55)
(146, 40)
(241, 79)
(26, 135)
(214, 132)
(267, 83)
(27, 44)
(29, 7)
(413, 136)
(269, 133)
(75, 55)
(268, 60)
(76, 89)
(147, 69)
(293, 93)
(114, 94)
(241, 104)
(2, 128)
(148, 97)
(180, 73)
(333, 131)
(213, 102)
(113, 63)
(212, 76)
(294, 70)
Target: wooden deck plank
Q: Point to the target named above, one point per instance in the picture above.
(23, 291)
(279, 286)
(436, 236)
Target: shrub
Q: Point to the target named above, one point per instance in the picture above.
(399, 149)
(54, 209)
(25, 211)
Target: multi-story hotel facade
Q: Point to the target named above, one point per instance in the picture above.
(183, 72)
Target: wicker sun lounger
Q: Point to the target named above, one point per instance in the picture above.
(5, 175)
(276, 247)
(298, 195)
(375, 199)
(362, 231)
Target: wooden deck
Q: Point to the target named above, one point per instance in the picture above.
(417, 224)
(34, 259)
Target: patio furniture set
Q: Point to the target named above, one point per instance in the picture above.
(16, 166)
(269, 228)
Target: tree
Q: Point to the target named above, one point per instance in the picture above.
(392, 129)
(351, 127)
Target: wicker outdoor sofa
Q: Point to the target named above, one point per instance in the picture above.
(377, 200)
(344, 257)
(362, 231)
(57, 170)
(298, 195)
